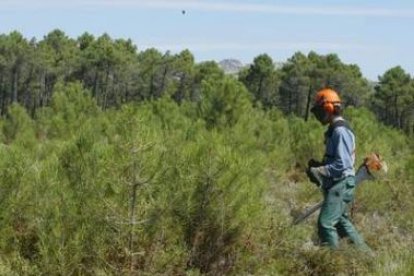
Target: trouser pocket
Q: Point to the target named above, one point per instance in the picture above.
(349, 189)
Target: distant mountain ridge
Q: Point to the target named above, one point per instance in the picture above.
(231, 66)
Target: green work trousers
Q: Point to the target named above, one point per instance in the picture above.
(333, 219)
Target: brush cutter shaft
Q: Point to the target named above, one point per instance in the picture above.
(361, 175)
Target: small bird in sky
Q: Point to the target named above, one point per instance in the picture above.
(183, 12)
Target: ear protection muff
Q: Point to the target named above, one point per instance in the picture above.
(337, 107)
(331, 107)
(328, 107)
(323, 110)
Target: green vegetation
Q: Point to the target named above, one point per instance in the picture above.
(114, 162)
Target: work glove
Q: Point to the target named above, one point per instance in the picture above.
(316, 175)
(314, 163)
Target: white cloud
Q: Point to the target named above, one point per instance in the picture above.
(208, 5)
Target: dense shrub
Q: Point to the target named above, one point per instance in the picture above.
(166, 188)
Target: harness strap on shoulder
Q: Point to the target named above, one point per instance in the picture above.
(339, 123)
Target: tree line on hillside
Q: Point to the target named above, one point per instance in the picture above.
(292, 87)
(116, 72)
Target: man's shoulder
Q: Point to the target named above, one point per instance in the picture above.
(342, 129)
(344, 132)
(338, 127)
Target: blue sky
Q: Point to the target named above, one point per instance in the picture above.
(376, 35)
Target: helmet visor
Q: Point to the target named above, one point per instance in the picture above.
(319, 112)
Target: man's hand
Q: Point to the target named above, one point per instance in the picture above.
(316, 175)
(314, 163)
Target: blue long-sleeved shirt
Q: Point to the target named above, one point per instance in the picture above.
(340, 153)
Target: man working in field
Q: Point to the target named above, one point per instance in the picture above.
(335, 175)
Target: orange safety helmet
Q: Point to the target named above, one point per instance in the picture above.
(329, 100)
